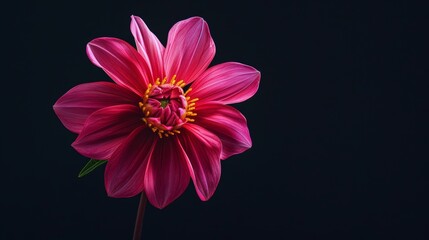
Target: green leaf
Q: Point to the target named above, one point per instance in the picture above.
(90, 166)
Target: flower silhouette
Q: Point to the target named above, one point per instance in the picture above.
(165, 119)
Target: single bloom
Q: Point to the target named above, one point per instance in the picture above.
(165, 119)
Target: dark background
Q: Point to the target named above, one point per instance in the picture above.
(339, 124)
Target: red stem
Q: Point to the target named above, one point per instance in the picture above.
(139, 218)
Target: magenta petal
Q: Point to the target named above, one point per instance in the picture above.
(167, 174)
(148, 46)
(226, 83)
(190, 49)
(228, 124)
(105, 129)
(121, 62)
(74, 107)
(203, 149)
(125, 170)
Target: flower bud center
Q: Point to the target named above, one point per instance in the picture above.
(164, 102)
(166, 108)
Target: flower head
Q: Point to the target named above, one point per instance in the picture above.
(165, 119)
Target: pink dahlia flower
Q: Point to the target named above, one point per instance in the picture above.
(165, 119)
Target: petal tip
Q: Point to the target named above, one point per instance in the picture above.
(248, 144)
(134, 18)
(159, 205)
(114, 191)
(75, 145)
(55, 107)
(205, 196)
(197, 18)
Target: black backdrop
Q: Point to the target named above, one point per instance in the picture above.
(339, 124)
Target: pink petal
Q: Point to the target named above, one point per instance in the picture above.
(74, 107)
(105, 129)
(226, 83)
(148, 46)
(190, 49)
(125, 170)
(203, 149)
(228, 124)
(121, 62)
(167, 174)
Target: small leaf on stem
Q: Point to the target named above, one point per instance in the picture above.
(90, 166)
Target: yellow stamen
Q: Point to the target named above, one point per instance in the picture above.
(193, 100)
(149, 87)
(160, 135)
(190, 119)
(179, 82)
(173, 79)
